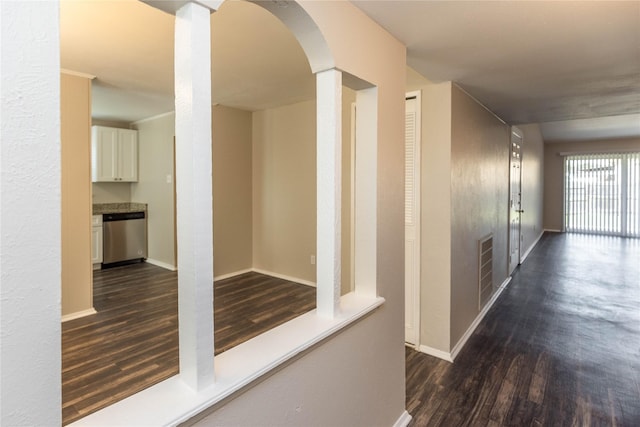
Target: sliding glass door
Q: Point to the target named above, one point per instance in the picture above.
(602, 194)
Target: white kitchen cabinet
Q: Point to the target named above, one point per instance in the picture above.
(96, 241)
(114, 154)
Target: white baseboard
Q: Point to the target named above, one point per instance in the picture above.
(161, 264)
(284, 277)
(526, 254)
(463, 340)
(403, 421)
(551, 230)
(234, 274)
(78, 314)
(435, 353)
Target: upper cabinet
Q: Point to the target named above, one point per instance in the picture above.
(114, 154)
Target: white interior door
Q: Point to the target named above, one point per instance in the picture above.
(412, 220)
(515, 199)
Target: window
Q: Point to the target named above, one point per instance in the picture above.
(602, 194)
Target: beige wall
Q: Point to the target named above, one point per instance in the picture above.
(435, 246)
(155, 164)
(75, 111)
(532, 185)
(232, 190)
(479, 203)
(554, 172)
(284, 185)
(284, 196)
(355, 377)
(111, 192)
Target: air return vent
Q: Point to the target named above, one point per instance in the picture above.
(485, 270)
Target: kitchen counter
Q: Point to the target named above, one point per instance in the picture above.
(109, 208)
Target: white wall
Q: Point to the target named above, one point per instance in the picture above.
(532, 186)
(30, 217)
(155, 185)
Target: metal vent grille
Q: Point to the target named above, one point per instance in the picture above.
(485, 270)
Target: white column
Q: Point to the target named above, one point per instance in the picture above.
(30, 255)
(329, 167)
(194, 194)
(366, 233)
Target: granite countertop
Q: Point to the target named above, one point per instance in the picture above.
(108, 208)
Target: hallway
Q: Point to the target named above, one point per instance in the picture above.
(561, 346)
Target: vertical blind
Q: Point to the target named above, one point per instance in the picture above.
(602, 194)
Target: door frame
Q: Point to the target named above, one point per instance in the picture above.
(413, 303)
(514, 131)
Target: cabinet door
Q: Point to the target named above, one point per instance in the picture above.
(128, 155)
(104, 154)
(96, 245)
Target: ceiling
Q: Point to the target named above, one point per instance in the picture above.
(574, 67)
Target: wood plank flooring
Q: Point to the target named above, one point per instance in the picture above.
(561, 346)
(132, 342)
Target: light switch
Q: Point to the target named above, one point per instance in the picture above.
(169, 179)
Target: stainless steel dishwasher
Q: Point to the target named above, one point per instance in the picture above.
(125, 237)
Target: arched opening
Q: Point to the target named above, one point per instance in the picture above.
(299, 104)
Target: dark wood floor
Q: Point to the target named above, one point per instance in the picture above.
(132, 343)
(561, 347)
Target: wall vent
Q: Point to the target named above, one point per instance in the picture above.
(485, 270)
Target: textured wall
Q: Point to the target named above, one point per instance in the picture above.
(479, 203)
(30, 218)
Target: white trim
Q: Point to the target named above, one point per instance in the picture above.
(463, 340)
(480, 103)
(414, 304)
(284, 277)
(233, 274)
(435, 353)
(533, 245)
(164, 265)
(352, 209)
(552, 230)
(77, 74)
(403, 421)
(157, 116)
(172, 401)
(78, 314)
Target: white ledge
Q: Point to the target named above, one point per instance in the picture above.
(171, 402)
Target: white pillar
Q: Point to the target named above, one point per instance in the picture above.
(366, 197)
(329, 168)
(194, 194)
(30, 255)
